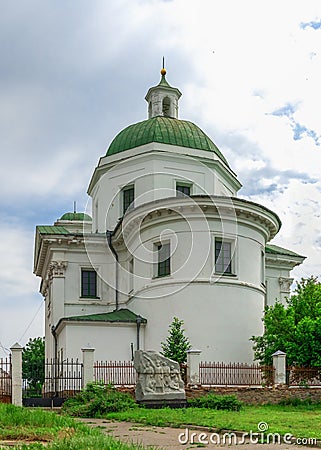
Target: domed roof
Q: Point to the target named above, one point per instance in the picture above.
(76, 216)
(165, 130)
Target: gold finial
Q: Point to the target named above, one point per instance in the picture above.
(163, 70)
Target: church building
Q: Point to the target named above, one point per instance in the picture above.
(166, 236)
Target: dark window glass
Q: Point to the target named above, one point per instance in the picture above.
(183, 189)
(223, 263)
(88, 283)
(128, 198)
(164, 260)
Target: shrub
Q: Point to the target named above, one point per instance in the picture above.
(212, 401)
(97, 400)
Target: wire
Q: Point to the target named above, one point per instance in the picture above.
(32, 320)
(6, 350)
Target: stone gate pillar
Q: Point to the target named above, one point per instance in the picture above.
(16, 365)
(279, 366)
(88, 365)
(193, 362)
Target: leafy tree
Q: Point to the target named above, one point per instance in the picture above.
(294, 328)
(176, 344)
(33, 363)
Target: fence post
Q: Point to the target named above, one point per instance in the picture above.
(88, 365)
(193, 362)
(279, 366)
(16, 364)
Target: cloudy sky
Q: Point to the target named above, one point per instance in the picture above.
(73, 73)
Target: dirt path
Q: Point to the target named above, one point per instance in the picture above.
(168, 438)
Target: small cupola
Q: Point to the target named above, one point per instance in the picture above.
(163, 99)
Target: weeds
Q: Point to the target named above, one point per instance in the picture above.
(96, 400)
(212, 401)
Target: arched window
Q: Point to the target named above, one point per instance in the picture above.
(166, 106)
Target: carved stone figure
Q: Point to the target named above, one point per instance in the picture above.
(159, 378)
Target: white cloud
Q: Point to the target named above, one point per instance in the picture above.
(19, 287)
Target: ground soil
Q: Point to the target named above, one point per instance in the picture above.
(167, 438)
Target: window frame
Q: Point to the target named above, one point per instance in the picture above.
(232, 257)
(263, 269)
(182, 184)
(84, 270)
(131, 269)
(131, 204)
(162, 268)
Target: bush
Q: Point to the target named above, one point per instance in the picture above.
(97, 400)
(212, 401)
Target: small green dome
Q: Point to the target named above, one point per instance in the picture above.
(76, 216)
(165, 130)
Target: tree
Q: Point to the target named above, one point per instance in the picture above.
(294, 328)
(33, 363)
(176, 344)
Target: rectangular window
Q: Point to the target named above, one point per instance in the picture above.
(223, 256)
(183, 189)
(89, 283)
(131, 275)
(263, 268)
(128, 198)
(163, 259)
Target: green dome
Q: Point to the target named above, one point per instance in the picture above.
(165, 130)
(75, 216)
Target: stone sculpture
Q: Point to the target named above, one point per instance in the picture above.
(159, 379)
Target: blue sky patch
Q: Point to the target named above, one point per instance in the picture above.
(288, 110)
(299, 131)
(315, 24)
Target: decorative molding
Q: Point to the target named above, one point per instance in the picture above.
(57, 269)
(285, 260)
(285, 284)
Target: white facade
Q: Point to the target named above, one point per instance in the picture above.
(218, 273)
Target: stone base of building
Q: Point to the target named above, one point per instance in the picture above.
(156, 404)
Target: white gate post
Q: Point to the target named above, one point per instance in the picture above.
(193, 362)
(16, 373)
(88, 365)
(279, 366)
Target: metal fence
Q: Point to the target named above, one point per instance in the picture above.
(303, 376)
(5, 380)
(63, 378)
(118, 373)
(53, 379)
(234, 374)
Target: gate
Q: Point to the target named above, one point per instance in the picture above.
(5, 380)
(52, 383)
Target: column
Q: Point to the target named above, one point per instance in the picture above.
(16, 361)
(88, 365)
(279, 365)
(193, 362)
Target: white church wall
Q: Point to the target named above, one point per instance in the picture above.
(273, 278)
(110, 341)
(154, 177)
(193, 253)
(219, 319)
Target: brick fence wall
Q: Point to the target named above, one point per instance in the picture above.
(251, 396)
(259, 396)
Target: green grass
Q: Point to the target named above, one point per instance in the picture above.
(300, 421)
(60, 432)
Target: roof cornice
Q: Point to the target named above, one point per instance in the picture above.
(225, 208)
